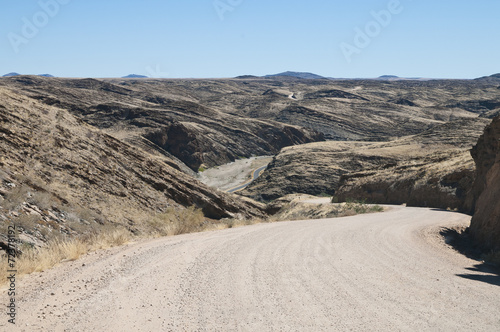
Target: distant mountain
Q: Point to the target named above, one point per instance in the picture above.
(397, 78)
(246, 76)
(495, 78)
(307, 76)
(135, 76)
(11, 74)
(45, 75)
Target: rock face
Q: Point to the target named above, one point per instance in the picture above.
(198, 144)
(441, 180)
(485, 195)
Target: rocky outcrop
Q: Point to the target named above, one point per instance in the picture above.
(313, 169)
(432, 169)
(485, 195)
(438, 181)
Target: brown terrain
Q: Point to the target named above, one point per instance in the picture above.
(85, 156)
(79, 152)
(213, 122)
(59, 174)
(178, 118)
(433, 168)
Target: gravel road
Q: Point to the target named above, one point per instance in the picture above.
(379, 272)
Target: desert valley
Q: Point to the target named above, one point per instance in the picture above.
(97, 163)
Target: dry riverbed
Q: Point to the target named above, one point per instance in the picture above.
(230, 175)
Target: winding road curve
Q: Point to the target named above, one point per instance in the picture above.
(378, 272)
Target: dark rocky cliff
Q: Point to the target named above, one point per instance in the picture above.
(485, 194)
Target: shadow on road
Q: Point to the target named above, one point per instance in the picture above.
(492, 277)
(461, 242)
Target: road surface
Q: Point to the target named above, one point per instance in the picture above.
(379, 272)
(256, 173)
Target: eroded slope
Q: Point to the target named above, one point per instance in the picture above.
(69, 167)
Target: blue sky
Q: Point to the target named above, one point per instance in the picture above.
(226, 38)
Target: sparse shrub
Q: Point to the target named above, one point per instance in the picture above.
(16, 197)
(40, 259)
(27, 222)
(36, 259)
(177, 221)
(44, 200)
(106, 237)
(352, 207)
(118, 237)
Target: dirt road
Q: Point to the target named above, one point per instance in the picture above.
(379, 272)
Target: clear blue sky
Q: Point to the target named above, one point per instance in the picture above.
(188, 38)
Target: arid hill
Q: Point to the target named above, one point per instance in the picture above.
(433, 168)
(58, 173)
(163, 116)
(204, 123)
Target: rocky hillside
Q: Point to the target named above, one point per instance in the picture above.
(172, 119)
(485, 196)
(58, 173)
(433, 168)
(193, 124)
(313, 169)
(439, 180)
(204, 123)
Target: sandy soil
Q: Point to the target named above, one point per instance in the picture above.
(377, 272)
(230, 175)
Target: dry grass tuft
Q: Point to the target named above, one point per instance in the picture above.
(108, 238)
(56, 251)
(177, 221)
(41, 259)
